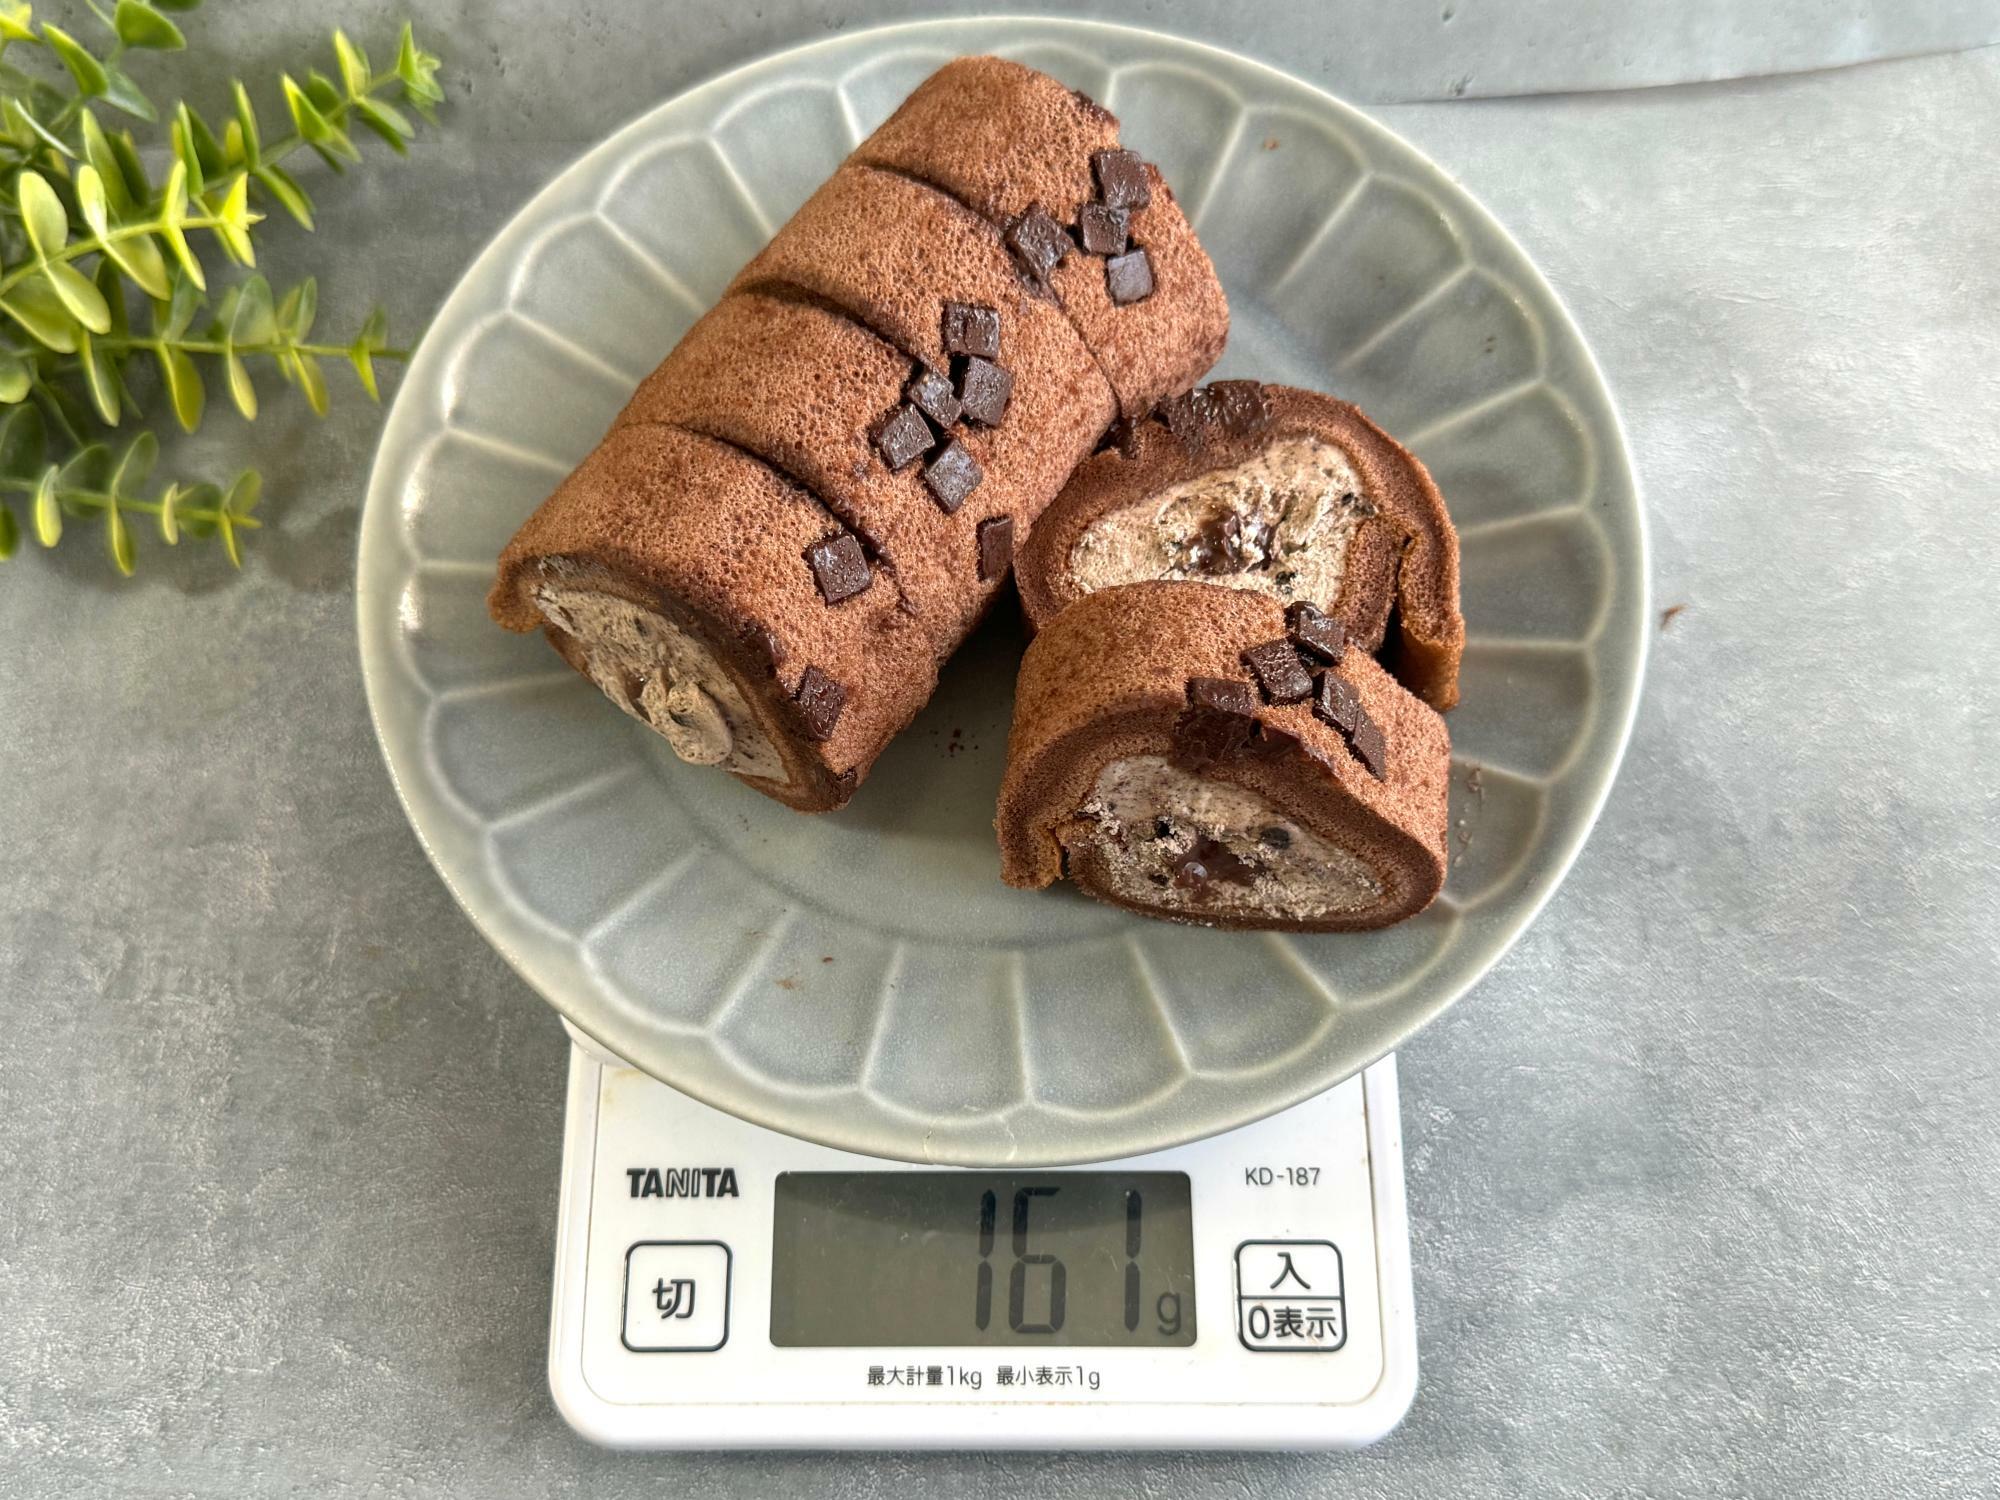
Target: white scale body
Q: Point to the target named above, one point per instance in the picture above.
(661, 1332)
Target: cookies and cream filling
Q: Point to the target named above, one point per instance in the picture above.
(662, 676)
(1164, 837)
(1278, 523)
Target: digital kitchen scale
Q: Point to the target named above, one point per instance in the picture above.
(719, 1285)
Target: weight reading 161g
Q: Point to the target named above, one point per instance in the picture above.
(1052, 1297)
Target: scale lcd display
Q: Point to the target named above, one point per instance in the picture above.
(930, 1259)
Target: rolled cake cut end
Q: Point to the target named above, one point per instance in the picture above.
(1277, 491)
(674, 572)
(1149, 763)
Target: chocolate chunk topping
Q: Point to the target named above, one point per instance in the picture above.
(952, 475)
(820, 700)
(1220, 720)
(971, 328)
(1186, 417)
(996, 547)
(905, 436)
(1222, 695)
(1129, 277)
(1121, 179)
(764, 643)
(838, 565)
(1366, 741)
(1038, 242)
(1275, 837)
(1317, 635)
(1103, 231)
(932, 395)
(983, 390)
(1338, 704)
(1240, 407)
(1279, 672)
(1209, 859)
(1228, 542)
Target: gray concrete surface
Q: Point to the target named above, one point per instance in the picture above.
(1702, 1177)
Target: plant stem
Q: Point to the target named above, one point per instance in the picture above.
(103, 500)
(77, 249)
(158, 344)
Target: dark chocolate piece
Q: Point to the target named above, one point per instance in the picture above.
(1228, 542)
(1186, 416)
(1219, 721)
(1102, 230)
(983, 391)
(1366, 741)
(996, 547)
(820, 700)
(905, 436)
(1279, 672)
(952, 475)
(1275, 837)
(971, 328)
(1317, 635)
(1038, 242)
(1240, 407)
(764, 643)
(838, 565)
(1208, 859)
(1338, 704)
(1129, 277)
(1121, 179)
(931, 394)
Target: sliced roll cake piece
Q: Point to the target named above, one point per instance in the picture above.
(1204, 755)
(1282, 492)
(721, 606)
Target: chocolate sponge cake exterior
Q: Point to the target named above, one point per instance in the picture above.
(804, 510)
(1202, 754)
(1009, 141)
(1281, 491)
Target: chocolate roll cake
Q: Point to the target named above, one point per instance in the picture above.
(1283, 492)
(810, 503)
(1207, 755)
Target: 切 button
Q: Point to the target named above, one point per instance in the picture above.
(676, 1296)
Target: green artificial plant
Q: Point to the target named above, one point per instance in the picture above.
(101, 267)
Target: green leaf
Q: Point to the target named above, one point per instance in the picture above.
(246, 124)
(243, 495)
(23, 443)
(247, 315)
(296, 312)
(90, 200)
(121, 92)
(118, 537)
(312, 126)
(241, 391)
(311, 380)
(134, 465)
(374, 336)
(276, 181)
(182, 378)
(208, 151)
(10, 534)
(140, 259)
(140, 25)
(22, 126)
(173, 211)
(236, 217)
(79, 295)
(171, 318)
(187, 155)
(42, 214)
(97, 149)
(17, 21)
(197, 498)
(137, 184)
(354, 69)
(170, 530)
(16, 379)
(85, 69)
(176, 4)
(323, 93)
(89, 468)
(48, 514)
(229, 543)
(34, 305)
(100, 378)
(417, 69)
(386, 121)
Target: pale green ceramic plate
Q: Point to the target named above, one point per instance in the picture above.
(864, 979)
